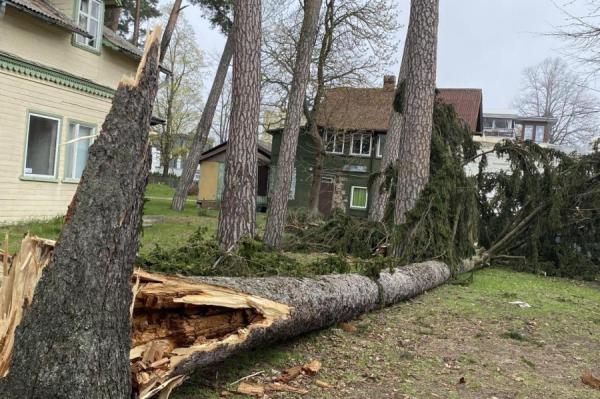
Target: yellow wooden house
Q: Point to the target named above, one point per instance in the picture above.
(212, 174)
(59, 68)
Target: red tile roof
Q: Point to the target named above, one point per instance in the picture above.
(467, 103)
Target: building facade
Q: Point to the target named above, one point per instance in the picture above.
(353, 123)
(212, 176)
(498, 126)
(57, 79)
(512, 126)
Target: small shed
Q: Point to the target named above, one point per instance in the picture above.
(212, 173)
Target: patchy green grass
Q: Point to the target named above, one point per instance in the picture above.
(160, 190)
(172, 231)
(423, 348)
(47, 228)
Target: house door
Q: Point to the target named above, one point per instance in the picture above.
(326, 196)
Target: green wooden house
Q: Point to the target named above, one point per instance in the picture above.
(353, 123)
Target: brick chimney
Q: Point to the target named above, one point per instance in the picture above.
(389, 82)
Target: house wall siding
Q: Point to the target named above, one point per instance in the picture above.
(33, 39)
(24, 199)
(209, 177)
(336, 166)
(66, 6)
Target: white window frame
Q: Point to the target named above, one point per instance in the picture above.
(532, 132)
(352, 197)
(378, 154)
(58, 134)
(536, 130)
(335, 138)
(100, 20)
(73, 149)
(362, 135)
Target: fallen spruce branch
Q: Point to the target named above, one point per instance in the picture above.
(182, 324)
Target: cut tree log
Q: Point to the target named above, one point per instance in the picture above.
(183, 324)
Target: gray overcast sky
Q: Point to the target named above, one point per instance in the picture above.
(482, 43)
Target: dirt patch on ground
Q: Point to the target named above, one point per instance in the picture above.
(454, 342)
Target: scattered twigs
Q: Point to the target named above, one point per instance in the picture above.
(247, 377)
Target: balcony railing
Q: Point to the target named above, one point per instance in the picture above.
(507, 133)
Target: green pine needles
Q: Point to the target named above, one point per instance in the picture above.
(542, 215)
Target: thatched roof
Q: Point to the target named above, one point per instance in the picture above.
(369, 108)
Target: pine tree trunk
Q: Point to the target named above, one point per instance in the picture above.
(203, 129)
(313, 128)
(74, 338)
(181, 324)
(238, 205)
(169, 29)
(380, 194)
(276, 217)
(413, 164)
(135, 39)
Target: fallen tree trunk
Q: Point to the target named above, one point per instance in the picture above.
(182, 324)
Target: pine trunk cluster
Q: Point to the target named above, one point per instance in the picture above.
(419, 97)
(82, 331)
(380, 194)
(276, 218)
(192, 160)
(237, 218)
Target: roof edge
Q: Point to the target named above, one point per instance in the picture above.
(71, 26)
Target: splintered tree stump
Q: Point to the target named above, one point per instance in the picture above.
(183, 324)
(65, 333)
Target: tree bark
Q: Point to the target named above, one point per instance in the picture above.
(74, 338)
(182, 324)
(169, 29)
(276, 217)
(413, 164)
(380, 194)
(315, 185)
(135, 39)
(203, 129)
(237, 218)
(313, 128)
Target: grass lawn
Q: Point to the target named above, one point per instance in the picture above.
(423, 348)
(453, 342)
(172, 231)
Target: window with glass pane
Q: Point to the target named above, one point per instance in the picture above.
(90, 13)
(380, 144)
(528, 133)
(79, 142)
(358, 197)
(501, 124)
(42, 146)
(334, 143)
(488, 123)
(539, 134)
(361, 144)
